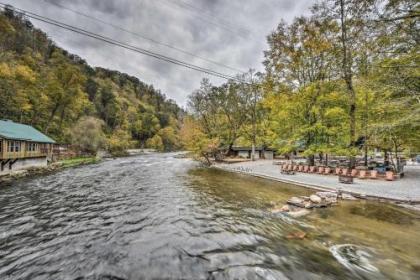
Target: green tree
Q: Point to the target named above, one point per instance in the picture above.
(88, 135)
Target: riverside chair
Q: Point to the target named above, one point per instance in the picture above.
(363, 174)
(344, 171)
(389, 176)
(327, 170)
(300, 168)
(373, 174)
(337, 171)
(353, 172)
(306, 169)
(321, 169)
(295, 167)
(312, 169)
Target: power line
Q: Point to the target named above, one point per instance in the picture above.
(167, 3)
(143, 36)
(189, 6)
(123, 45)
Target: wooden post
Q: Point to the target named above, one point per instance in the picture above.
(22, 151)
(3, 148)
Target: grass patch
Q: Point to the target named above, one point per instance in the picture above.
(78, 161)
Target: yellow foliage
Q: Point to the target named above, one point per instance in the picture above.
(25, 73)
(5, 71)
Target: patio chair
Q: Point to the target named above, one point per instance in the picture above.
(312, 169)
(306, 169)
(389, 176)
(363, 174)
(327, 170)
(321, 169)
(373, 174)
(353, 172)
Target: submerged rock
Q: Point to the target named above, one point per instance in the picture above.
(346, 196)
(296, 200)
(284, 208)
(296, 235)
(356, 258)
(299, 213)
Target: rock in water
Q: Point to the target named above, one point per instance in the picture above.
(299, 213)
(284, 208)
(296, 200)
(327, 194)
(296, 235)
(346, 196)
(331, 200)
(309, 205)
(315, 199)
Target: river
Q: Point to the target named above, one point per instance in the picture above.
(160, 217)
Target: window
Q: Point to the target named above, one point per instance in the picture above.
(31, 147)
(13, 146)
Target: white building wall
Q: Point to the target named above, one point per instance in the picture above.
(25, 163)
(257, 154)
(268, 155)
(243, 154)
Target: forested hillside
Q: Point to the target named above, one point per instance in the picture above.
(61, 95)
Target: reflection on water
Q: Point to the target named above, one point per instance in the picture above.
(156, 216)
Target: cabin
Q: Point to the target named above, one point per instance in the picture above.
(260, 152)
(22, 146)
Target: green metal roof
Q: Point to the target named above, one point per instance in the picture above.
(18, 131)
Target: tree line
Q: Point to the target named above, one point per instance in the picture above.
(61, 95)
(343, 80)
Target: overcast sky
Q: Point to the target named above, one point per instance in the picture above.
(232, 33)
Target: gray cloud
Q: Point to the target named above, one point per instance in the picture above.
(229, 32)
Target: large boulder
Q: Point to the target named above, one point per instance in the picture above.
(315, 199)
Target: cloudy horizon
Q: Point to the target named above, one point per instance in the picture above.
(230, 33)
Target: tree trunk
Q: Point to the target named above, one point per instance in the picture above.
(311, 160)
(348, 78)
(230, 150)
(53, 112)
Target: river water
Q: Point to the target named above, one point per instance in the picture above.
(159, 217)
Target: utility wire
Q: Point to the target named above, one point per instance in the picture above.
(169, 3)
(123, 45)
(142, 36)
(189, 6)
